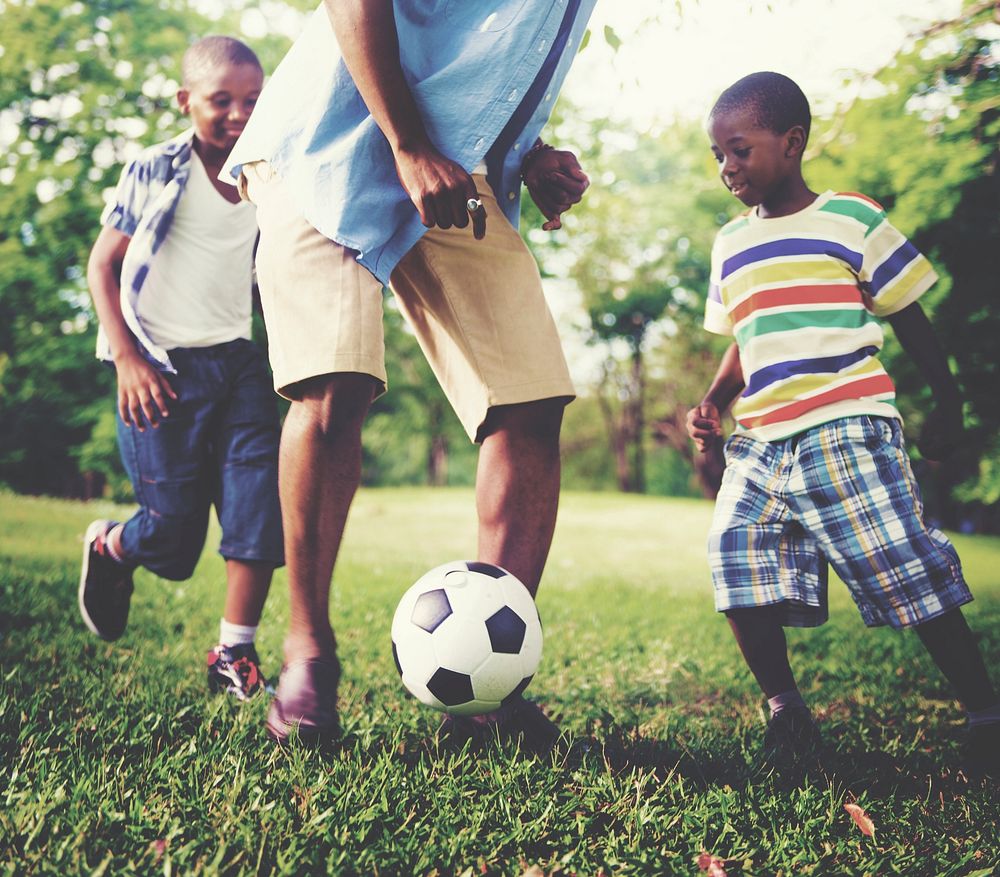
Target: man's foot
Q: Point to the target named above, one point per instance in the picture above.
(792, 740)
(235, 670)
(981, 753)
(105, 584)
(305, 702)
(517, 720)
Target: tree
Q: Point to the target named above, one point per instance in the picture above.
(927, 149)
(638, 249)
(82, 87)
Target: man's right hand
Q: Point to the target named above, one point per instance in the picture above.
(439, 189)
(142, 391)
(704, 425)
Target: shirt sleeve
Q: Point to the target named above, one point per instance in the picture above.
(716, 316)
(125, 208)
(893, 272)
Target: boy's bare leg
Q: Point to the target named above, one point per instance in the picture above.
(517, 487)
(247, 584)
(953, 648)
(319, 473)
(761, 638)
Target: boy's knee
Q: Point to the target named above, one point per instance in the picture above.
(173, 546)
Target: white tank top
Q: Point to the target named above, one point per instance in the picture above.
(198, 290)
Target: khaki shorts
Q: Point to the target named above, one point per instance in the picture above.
(476, 307)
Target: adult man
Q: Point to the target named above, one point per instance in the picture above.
(359, 157)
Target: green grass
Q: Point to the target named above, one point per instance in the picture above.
(115, 760)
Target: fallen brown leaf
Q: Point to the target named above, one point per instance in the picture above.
(861, 819)
(712, 865)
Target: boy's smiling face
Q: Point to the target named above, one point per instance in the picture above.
(219, 102)
(757, 165)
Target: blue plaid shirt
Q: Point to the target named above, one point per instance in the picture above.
(470, 64)
(143, 208)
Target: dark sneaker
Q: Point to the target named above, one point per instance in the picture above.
(235, 670)
(105, 585)
(981, 753)
(792, 740)
(518, 720)
(305, 702)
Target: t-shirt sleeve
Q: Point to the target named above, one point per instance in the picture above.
(893, 272)
(125, 208)
(716, 316)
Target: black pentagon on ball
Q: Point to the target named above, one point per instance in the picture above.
(506, 631)
(449, 687)
(431, 608)
(487, 569)
(395, 657)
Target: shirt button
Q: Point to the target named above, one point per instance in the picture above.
(517, 146)
(548, 96)
(512, 95)
(480, 143)
(511, 196)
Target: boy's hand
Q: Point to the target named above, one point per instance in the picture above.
(142, 391)
(704, 425)
(941, 432)
(440, 189)
(555, 182)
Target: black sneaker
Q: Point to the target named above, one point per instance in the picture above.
(105, 585)
(235, 670)
(792, 740)
(517, 720)
(981, 752)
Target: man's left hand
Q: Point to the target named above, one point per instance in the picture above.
(555, 182)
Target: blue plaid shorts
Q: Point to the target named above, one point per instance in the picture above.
(841, 493)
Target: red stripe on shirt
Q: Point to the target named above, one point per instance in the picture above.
(865, 198)
(873, 386)
(789, 296)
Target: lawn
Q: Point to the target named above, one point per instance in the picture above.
(115, 760)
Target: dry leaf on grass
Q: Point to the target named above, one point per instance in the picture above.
(533, 871)
(861, 819)
(712, 865)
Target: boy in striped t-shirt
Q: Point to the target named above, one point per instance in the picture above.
(816, 471)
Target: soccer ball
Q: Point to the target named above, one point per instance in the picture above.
(466, 637)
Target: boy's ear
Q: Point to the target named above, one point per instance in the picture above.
(795, 141)
(184, 100)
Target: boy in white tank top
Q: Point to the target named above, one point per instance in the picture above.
(171, 278)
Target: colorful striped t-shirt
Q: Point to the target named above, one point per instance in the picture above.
(801, 294)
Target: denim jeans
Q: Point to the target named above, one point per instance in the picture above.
(218, 446)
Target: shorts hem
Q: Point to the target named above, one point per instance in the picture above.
(897, 623)
(249, 555)
(798, 612)
(337, 365)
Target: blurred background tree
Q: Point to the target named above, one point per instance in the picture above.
(85, 86)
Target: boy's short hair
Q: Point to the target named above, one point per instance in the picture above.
(214, 51)
(774, 100)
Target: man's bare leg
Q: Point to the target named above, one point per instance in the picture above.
(319, 473)
(517, 487)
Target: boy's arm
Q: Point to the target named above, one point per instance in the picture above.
(438, 187)
(140, 385)
(942, 428)
(704, 423)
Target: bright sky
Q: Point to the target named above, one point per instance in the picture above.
(679, 64)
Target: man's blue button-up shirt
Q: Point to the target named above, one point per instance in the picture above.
(469, 64)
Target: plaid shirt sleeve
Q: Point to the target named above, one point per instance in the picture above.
(131, 194)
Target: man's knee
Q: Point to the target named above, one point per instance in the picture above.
(335, 405)
(539, 421)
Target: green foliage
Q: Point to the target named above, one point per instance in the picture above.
(926, 148)
(114, 756)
